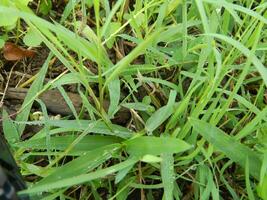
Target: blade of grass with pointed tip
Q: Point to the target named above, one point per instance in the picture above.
(162, 12)
(68, 101)
(237, 7)
(81, 165)
(88, 143)
(10, 132)
(162, 114)
(99, 127)
(65, 182)
(109, 18)
(35, 88)
(160, 81)
(122, 173)
(257, 63)
(143, 145)
(114, 96)
(229, 146)
(120, 66)
(250, 126)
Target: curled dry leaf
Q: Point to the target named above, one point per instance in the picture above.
(13, 52)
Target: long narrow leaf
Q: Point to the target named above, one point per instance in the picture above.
(143, 145)
(229, 146)
(81, 178)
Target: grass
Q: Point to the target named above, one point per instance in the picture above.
(195, 78)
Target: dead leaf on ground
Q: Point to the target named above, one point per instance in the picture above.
(12, 52)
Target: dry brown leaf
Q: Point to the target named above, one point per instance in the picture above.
(12, 52)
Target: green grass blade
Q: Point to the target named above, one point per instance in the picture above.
(257, 63)
(114, 96)
(229, 146)
(124, 63)
(109, 18)
(167, 174)
(98, 127)
(248, 186)
(250, 127)
(161, 114)
(239, 8)
(261, 189)
(35, 88)
(143, 145)
(10, 131)
(88, 143)
(81, 165)
(81, 178)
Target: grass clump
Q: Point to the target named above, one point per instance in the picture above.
(190, 74)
